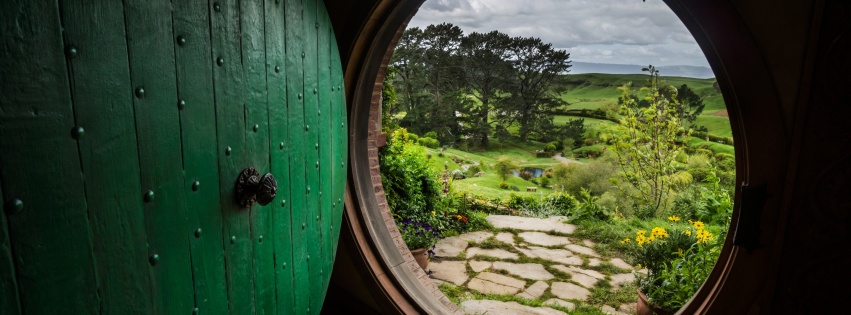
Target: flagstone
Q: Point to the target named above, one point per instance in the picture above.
(531, 224)
(505, 237)
(569, 291)
(449, 271)
(495, 252)
(560, 302)
(534, 291)
(450, 247)
(479, 266)
(617, 262)
(620, 279)
(582, 250)
(491, 283)
(526, 271)
(491, 307)
(477, 237)
(555, 255)
(543, 239)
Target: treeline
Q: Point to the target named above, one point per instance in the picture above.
(477, 86)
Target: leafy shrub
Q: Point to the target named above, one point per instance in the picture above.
(419, 235)
(410, 184)
(413, 137)
(429, 142)
(505, 167)
(544, 181)
(473, 170)
(595, 176)
(550, 147)
(458, 174)
(699, 174)
(430, 134)
(526, 175)
(478, 222)
(519, 202)
(589, 209)
(725, 162)
(503, 185)
(514, 188)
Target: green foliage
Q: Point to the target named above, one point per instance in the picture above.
(389, 100)
(594, 176)
(505, 167)
(650, 145)
(410, 184)
(503, 185)
(430, 134)
(473, 170)
(418, 235)
(428, 142)
(678, 280)
(589, 209)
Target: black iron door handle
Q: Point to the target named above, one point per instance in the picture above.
(251, 188)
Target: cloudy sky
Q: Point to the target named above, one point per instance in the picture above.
(600, 31)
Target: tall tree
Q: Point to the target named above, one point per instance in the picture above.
(692, 104)
(650, 144)
(444, 78)
(409, 62)
(484, 58)
(538, 70)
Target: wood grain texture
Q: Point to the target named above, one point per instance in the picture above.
(103, 105)
(36, 118)
(279, 149)
(326, 177)
(341, 141)
(228, 80)
(253, 15)
(298, 147)
(311, 120)
(151, 54)
(191, 24)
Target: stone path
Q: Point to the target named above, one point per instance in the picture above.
(537, 260)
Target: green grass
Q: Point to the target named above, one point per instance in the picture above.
(714, 146)
(719, 126)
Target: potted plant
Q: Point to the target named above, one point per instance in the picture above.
(420, 238)
(677, 262)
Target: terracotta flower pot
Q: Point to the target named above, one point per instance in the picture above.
(644, 308)
(421, 255)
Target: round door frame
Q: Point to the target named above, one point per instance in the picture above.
(736, 283)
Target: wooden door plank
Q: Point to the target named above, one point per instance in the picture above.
(228, 80)
(257, 146)
(341, 141)
(191, 23)
(325, 138)
(276, 78)
(103, 105)
(150, 45)
(311, 120)
(35, 124)
(9, 297)
(298, 146)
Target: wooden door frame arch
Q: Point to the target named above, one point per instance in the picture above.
(367, 31)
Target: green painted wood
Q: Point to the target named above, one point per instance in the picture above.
(152, 76)
(36, 118)
(9, 298)
(297, 134)
(279, 149)
(228, 75)
(257, 144)
(312, 165)
(227, 85)
(191, 20)
(341, 142)
(326, 166)
(103, 104)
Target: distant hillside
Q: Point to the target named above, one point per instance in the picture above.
(672, 71)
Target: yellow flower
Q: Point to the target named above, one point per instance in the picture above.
(638, 266)
(624, 241)
(687, 232)
(680, 252)
(432, 213)
(674, 218)
(640, 232)
(697, 225)
(703, 236)
(659, 232)
(640, 240)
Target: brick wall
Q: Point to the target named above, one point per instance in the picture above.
(376, 139)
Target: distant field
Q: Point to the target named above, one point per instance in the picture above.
(592, 91)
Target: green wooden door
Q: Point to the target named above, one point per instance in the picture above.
(123, 128)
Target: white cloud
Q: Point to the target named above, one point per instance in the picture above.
(620, 31)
